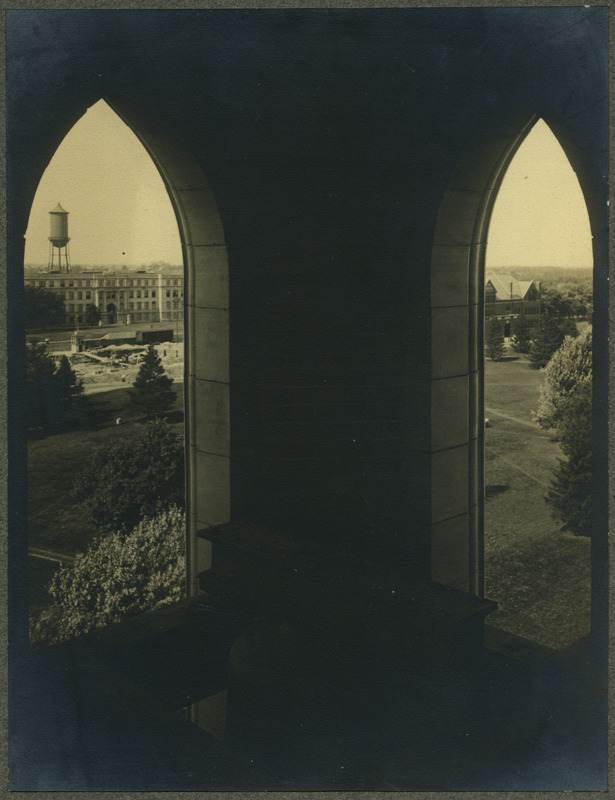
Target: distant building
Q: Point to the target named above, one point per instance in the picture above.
(506, 298)
(120, 296)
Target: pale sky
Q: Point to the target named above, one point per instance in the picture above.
(119, 210)
(120, 213)
(539, 218)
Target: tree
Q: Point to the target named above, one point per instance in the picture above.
(522, 334)
(70, 392)
(573, 295)
(555, 303)
(43, 308)
(566, 407)
(549, 336)
(92, 314)
(568, 370)
(126, 481)
(40, 386)
(152, 391)
(117, 577)
(54, 395)
(494, 346)
(568, 293)
(574, 427)
(570, 494)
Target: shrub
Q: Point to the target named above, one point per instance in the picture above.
(119, 576)
(567, 372)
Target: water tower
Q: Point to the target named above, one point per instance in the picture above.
(58, 240)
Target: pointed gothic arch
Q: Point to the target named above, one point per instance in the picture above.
(206, 321)
(457, 401)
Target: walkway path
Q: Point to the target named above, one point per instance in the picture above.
(50, 555)
(533, 425)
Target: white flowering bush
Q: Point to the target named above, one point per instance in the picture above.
(119, 576)
(569, 372)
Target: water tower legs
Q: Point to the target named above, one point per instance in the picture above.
(51, 265)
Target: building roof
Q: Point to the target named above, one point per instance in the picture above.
(507, 287)
(58, 210)
(113, 336)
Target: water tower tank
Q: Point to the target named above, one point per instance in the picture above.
(58, 240)
(59, 227)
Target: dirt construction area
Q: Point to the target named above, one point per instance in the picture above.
(100, 377)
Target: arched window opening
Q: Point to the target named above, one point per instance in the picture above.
(537, 398)
(104, 414)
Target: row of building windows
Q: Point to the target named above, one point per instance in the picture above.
(72, 319)
(122, 295)
(70, 307)
(516, 308)
(119, 295)
(48, 283)
(491, 311)
(99, 282)
(80, 295)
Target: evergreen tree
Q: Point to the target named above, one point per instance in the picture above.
(54, 395)
(152, 392)
(570, 495)
(40, 387)
(522, 334)
(68, 384)
(71, 400)
(574, 427)
(494, 345)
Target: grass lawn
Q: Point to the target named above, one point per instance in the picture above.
(55, 520)
(540, 576)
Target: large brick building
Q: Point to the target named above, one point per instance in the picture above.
(120, 296)
(507, 298)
